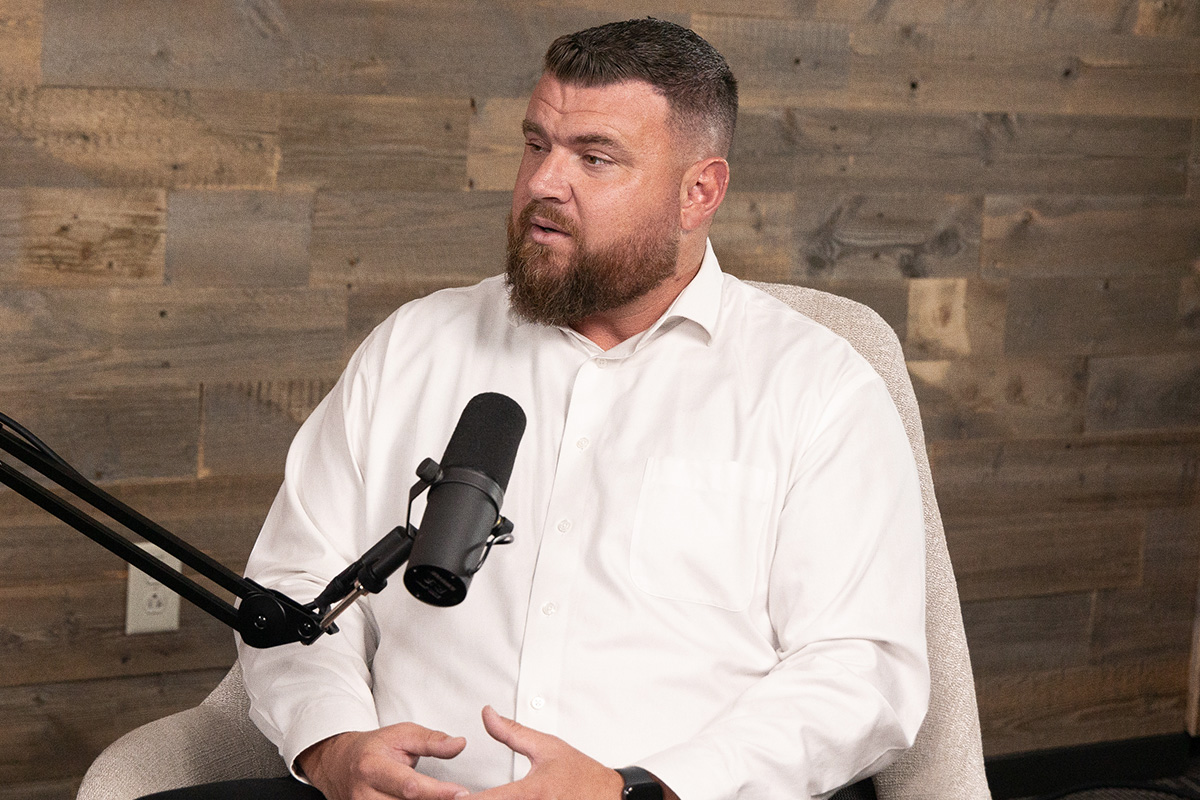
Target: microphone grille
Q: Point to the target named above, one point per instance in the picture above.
(486, 439)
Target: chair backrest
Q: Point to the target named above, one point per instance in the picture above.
(946, 762)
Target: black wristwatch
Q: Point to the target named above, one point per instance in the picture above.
(640, 785)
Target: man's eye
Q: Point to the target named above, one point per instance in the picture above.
(595, 161)
(534, 146)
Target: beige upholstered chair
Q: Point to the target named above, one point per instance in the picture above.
(217, 741)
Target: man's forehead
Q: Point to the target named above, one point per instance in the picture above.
(629, 103)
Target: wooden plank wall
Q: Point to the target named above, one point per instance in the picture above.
(204, 206)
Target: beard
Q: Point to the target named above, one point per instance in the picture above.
(554, 289)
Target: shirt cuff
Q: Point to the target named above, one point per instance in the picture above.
(320, 721)
(694, 772)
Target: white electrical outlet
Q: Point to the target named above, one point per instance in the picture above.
(151, 607)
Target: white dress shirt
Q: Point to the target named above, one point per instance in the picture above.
(718, 571)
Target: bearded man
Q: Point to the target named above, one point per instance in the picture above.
(716, 588)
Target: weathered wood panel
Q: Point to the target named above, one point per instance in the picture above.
(778, 149)
(1031, 555)
(1097, 236)
(61, 789)
(221, 516)
(1032, 710)
(248, 427)
(366, 238)
(222, 238)
(1000, 398)
(370, 304)
(352, 47)
(53, 731)
(1145, 17)
(1091, 316)
(76, 632)
(115, 434)
(1153, 620)
(102, 137)
(955, 318)
(371, 142)
(1027, 633)
(1086, 473)
(787, 237)
(1144, 392)
(93, 338)
(20, 42)
(1021, 69)
(11, 208)
(84, 237)
(782, 61)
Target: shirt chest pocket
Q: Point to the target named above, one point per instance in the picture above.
(699, 530)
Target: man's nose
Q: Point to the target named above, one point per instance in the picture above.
(550, 180)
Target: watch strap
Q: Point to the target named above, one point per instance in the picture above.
(639, 784)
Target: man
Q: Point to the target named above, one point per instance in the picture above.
(717, 577)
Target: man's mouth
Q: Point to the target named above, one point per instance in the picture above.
(546, 226)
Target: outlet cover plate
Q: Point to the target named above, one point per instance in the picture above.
(150, 607)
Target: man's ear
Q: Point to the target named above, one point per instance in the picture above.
(702, 191)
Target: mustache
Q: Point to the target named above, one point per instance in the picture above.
(536, 208)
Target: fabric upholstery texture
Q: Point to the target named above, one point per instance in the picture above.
(216, 740)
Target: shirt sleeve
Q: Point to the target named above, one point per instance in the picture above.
(847, 606)
(302, 694)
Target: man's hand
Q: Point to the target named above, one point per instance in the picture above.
(559, 771)
(372, 765)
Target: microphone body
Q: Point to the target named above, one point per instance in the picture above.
(463, 509)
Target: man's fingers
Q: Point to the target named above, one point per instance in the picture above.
(518, 738)
(415, 786)
(417, 741)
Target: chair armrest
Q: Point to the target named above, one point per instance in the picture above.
(200, 745)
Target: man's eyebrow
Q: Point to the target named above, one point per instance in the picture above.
(582, 139)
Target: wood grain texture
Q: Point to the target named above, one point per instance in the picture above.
(1144, 392)
(1089, 235)
(1032, 710)
(12, 207)
(248, 427)
(1092, 316)
(1153, 619)
(779, 148)
(1018, 69)
(967, 398)
(76, 631)
(94, 338)
(20, 42)
(1027, 633)
(352, 47)
(369, 238)
(86, 237)
(997, 477)
(222, 238)
(782, 61)
(53, 731)
(114, 137)
(115, 434)
(219, 515)
(955, 318)
(1018, 555)
(371, 142)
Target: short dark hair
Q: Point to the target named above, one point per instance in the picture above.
(680, 64)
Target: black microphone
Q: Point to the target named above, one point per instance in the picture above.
(463, 508)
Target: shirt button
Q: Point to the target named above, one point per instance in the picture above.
(549, 609)
(583, 442)
(603, 363)
(537, 703)
(564, 525)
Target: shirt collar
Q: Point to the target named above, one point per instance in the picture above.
(699, 302)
